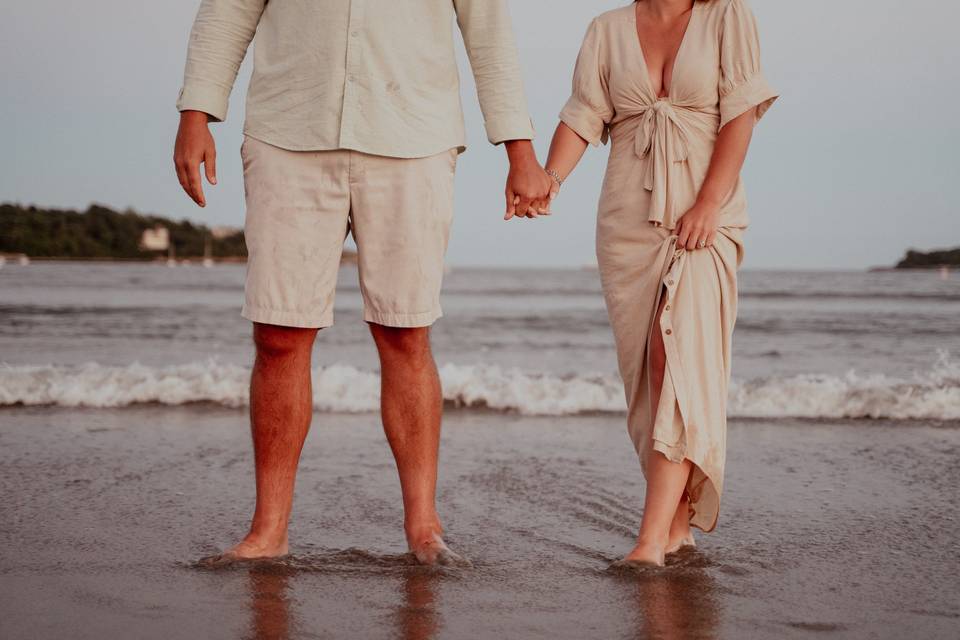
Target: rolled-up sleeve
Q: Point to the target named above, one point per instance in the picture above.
(742, 83)
(589, 109)
(488, 38)
(219, 39)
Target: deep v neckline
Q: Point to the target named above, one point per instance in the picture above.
(676, 58)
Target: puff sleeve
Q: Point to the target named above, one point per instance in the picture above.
(742, 84)
(589, 110)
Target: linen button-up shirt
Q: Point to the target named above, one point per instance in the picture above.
(377, 76)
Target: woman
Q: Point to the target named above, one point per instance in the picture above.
(677, 86)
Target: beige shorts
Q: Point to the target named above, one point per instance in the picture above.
(302, 204)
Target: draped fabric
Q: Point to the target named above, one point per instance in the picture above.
(660, 153)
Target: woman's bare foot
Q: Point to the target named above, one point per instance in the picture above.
(680, 533)
(682, 543)
(251, 547)
(429, 549)
(645, 554)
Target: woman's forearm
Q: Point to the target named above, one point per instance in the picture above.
(727, 160)
(566, 149)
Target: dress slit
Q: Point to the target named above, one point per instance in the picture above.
(670, 413)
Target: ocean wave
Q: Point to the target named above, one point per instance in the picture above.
(930, 395)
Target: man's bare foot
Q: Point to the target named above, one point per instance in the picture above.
(250, 548)
(430, 549)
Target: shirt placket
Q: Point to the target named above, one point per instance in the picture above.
(351, 87)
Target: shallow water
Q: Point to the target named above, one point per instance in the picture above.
(842, 528)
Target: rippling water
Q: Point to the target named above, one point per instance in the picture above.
(807, 344)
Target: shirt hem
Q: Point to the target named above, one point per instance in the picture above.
(386, 152)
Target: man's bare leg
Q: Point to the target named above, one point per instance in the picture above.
(666, 480)
(411, 405)
(281, 407)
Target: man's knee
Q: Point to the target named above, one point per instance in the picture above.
(274, 341)
(402, 341)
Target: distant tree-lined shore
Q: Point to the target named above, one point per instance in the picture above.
(101, 232)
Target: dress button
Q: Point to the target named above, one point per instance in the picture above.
(668, 332)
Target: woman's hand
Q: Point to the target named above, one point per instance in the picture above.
(697, 228)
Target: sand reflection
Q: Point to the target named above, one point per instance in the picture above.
(269, 587)
(676, 602)
(417, 617)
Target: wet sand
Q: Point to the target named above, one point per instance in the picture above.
(837, 530)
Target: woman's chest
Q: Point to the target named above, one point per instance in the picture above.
(643, 72)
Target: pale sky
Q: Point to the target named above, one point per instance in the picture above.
(856, 162)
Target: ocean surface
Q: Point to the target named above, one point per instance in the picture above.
(824, 345)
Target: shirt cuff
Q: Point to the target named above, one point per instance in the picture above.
(509, 126)
(753, 93)
(210, 99)
(584, 121)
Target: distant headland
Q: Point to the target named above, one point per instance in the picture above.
(101, 233)
(930, 259)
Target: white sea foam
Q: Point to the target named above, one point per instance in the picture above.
(929, 395)
(932, 395)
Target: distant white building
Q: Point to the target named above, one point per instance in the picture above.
(224, 232)
(156, 239)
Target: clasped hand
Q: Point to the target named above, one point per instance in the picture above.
(529, 188)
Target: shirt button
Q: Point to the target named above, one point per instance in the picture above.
(670, 282)
(668, 332)
(354, 34)
(351, 78)
(666, 308)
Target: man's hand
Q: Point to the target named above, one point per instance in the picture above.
(195, 146)
(528, 185)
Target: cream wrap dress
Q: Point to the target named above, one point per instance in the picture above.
(660, 152)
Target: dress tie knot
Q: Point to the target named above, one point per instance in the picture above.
(661, 142)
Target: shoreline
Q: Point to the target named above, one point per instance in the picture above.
(456, 410)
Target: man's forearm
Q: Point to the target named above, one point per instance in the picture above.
(492, 49)
(219, 39)
(520, 151)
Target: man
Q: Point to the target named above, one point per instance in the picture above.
(353, 124)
